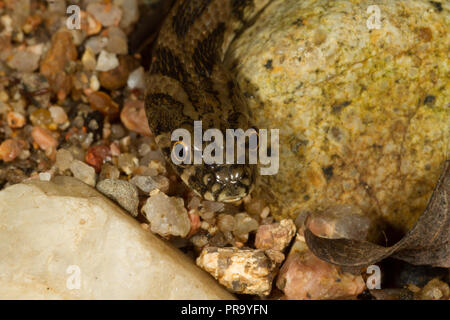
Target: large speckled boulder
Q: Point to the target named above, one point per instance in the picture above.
(363, 113)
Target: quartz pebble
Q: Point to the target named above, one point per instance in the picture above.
(226, 222)
(127, 162)
(109, 171)
(275, 236)
(106, 61)
(123, 192)
(107, 15)
(244, 271)
(136, 79)
(130, 10)
(117, 41)
(88, 59)
(148, 183)
(304, 276)
(58, 114)
(64, 159)
(244, 224)
(89, 24)
(45, 176)
(24, 61)
(167, 215)
(96, 45)
(83, 172)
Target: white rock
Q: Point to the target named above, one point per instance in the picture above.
(136, 79)
(83, 172)
(56, 233)
(107, 61)
(167, 215)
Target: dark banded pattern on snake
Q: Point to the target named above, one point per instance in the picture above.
(187, 82)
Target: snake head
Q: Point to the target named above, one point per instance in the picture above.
(222, 183)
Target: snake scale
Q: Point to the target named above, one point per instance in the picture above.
(187, 81)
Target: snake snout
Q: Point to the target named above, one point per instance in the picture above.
(223, 183)
(236, 181)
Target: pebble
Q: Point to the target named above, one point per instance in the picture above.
(45, 176)
(243, 271)
(44, 138)
(96, 44)
(194, 203)
(94, 83)
(109, 171)
(117, 41)
(134, 118)
(147, 183)
(64, 159)
(115, 149)
(53, 65)
(24, 60)
(195, 222)
(96, 156)
(89, 24)
(244, 224)
(102, 102)
(136, 80)
(117, 78)
(276, 236)
(303, 276)
(58, 114)
(199, 240)
(83, 172)
(106, 61)
(15, 120)
(435, 289)
(117, 131)
(226, 222)
(123, 192)
(167, 215)
(107, 14)
(88, 59)
(127, 162)
(9, 150)
(275, 255)
(130, 10)
(41, 117)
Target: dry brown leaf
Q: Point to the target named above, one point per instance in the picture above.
(427, 243)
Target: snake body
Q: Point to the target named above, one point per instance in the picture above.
(187, 81)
